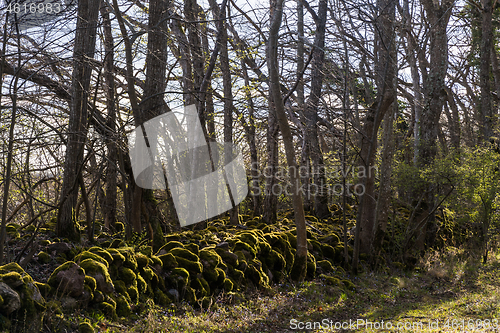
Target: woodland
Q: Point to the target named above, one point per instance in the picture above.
(368, 134)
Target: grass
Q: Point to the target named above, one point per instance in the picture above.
(447, 293)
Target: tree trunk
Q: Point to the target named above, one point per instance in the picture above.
(300, 264)
(109, 207)
(486, 113)
(85, 38)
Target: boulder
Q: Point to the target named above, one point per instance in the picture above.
(68, 279)
(11, 299)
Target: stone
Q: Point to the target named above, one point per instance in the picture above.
(68, 279)
(11, 299)
(59, 247)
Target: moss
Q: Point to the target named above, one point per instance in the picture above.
(118, 258)
(116, 243)
(161, 298)
(228, 257)
(146, 250)
(156, 261)
(12, 267)
(349, 285)
(122, 307)
(54, 306)
(85, 327)
(331, 280)
(90, 281)
(179, 277)
(311, 266)
(99, 272)
(325, 265)
(44, 242)
(190, 295)
(328, 251)
(211, 275)
(89, 255)
(108, 309)
(192, 266)
(184, 253)
(275, 261)
(292, 239)
(43, 257)
(102, 253)
(254, 275)
(142, 260)
(249, 251)
(129, 255)
(195, 248)
(67, 265)
(202, 288)
(44, 288)
(168, 261)
(299, 269)
(170, 245)
(127, 275)
(120, 287)
(238, 275)
(210, 258)
(228, 285)
(13, 279)
(331, 239)
(141, 284)
(133, 292)
(148, 273)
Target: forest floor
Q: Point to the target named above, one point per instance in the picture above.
(448, 292)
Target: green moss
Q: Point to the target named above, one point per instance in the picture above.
(12, 267)
(116, 243)
(202, 288)
(146, 250)
(325, 265)
(311, 266)
(211, 275)
(13, 279)
(122, 307)
(349, 285)
(142, 260)
(43, 257)
(90, 281)
(299, 269)
(85, 327)
(228, 257)
(108, 309)
(133, 293)
(127, 275)
(102, 253)
(129, 254)
(228, 285)
(99, 272)
(168, 261)
(192, 266)
(141, 284)
(238, 275)
(328, 251)
(170, 245)
(292, 239)
(249, 251)
(190, 295)
(118, 258)
(89, 255)
(184, 253)
(179, 277)
(120, 287)
(275, 261)
(44, 288)
(67, 265)
(161, 298)
(331, 239)
(193, 248)
(156, 261)
(210, 258)
(54, 306)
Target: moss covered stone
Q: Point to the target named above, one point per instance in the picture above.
(122, 307)
(91, 282)
(161, 298)
(179, 277)
(129, 254)
(127, 275)
(89, 255)
(44, 288)
(85, 327)
(108, 309)
(325, 266)
(201, 286)
(142, 286)
(349, 285)
(228, 257)
(118, 258)
(311, 266)
(228, 285)
(170, 245)
(209, 258)
(100, 273)
(249, 251)
(184, 253)
(142, 260)
(68, 278)
(194, 267)
(13, 279)
(299, 270)
(331, 239)
(102, 253)
(43, 257)
(168, 261)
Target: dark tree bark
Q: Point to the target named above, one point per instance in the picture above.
(385, 69)
(109, 204)
(300, 263)
(85, 39)
(486, 114)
